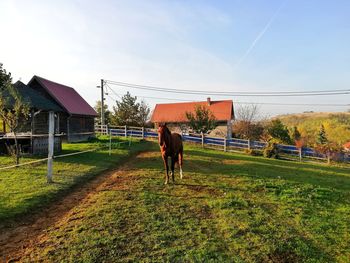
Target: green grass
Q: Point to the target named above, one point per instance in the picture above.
(228, 208)
(24, 189)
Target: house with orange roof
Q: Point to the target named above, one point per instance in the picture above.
(174, 114)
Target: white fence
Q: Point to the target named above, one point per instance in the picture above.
(229, 145)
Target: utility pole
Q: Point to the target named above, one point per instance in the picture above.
(102, 105)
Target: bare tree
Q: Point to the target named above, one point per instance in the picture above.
(248, 113)
(247, 124)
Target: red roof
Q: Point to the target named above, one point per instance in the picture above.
(176, 112)
(66, 96)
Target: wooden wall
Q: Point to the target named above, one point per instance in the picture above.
(81, 128)
(40, 145)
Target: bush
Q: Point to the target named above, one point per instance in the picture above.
(271, 150)
(252, 152)
(278, 131)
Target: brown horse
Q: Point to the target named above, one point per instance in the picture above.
(170, 145)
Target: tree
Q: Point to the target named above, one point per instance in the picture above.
(126, 112)
(248, 113)
(295, 134)
(246, 130)
(324, 146)
(202, 120)
(298, 141)
(278, 131)
(13, 109)
(144, 112)
(106, 111)
(246, 125)
(321, 136)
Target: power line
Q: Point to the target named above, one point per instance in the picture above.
(113, 91)
(244, 102)
(238, 94)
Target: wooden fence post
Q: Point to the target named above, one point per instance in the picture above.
(202, 139)
(249, 144)
(143, 133)
(51, 143)
(300, 154)
(225, 144)
(125, 131)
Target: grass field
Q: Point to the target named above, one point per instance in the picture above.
(24, 189)
(228, 208)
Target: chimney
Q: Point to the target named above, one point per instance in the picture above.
(208, 101)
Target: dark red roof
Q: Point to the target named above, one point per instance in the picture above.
(176, 112)
(66, 96)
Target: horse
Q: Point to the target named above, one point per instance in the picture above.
(170, 146)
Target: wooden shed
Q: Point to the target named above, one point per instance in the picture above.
(76, 121)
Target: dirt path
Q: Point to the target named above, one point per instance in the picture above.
(19, 237)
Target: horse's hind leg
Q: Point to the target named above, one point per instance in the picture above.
(180, 163)
(173, 168)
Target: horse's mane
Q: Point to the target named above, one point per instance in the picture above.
(167, 130)
(167, 136)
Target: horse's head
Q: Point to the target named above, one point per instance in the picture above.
(162, 133)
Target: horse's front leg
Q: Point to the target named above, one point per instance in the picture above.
(165, 159)
(173, 168)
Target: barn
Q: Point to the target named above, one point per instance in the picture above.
(74, 117)
(76, 121)
(32, 133)
(174, 114)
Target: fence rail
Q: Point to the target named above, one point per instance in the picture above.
(230, 145)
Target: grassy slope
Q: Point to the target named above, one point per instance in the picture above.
(24, 189)
(337, 125)
(229, 207)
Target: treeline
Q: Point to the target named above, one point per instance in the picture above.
(336, 125)
(128, 111)
(309, 129)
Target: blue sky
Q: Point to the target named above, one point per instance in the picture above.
(206, 45)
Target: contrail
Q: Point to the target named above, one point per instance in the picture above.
(260, 35)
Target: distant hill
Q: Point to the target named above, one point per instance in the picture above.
(337, 125)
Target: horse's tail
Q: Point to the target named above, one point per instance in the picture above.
(181, 149)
